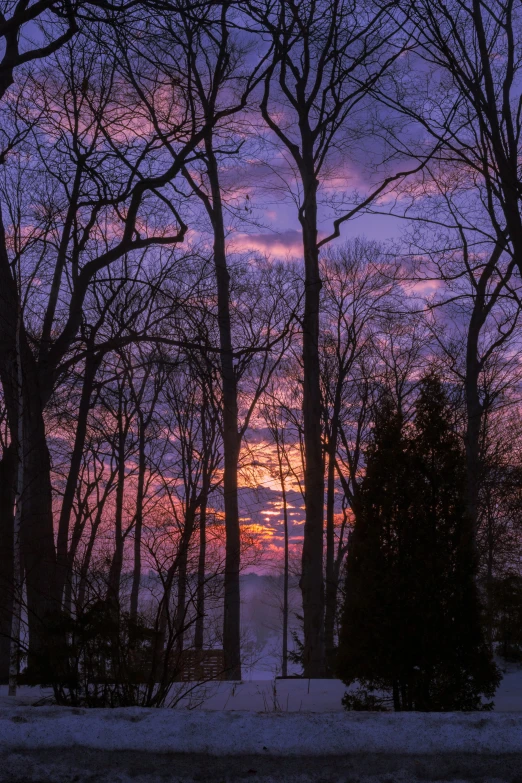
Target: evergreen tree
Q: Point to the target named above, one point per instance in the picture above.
(411, 621)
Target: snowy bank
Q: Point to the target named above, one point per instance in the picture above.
(241, 733)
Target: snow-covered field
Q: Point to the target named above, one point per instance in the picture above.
(320, 695)
(270, 696)
(280, 731)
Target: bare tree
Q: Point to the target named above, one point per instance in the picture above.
(112, 184)
(220, 74)
(465, 100)
(14, 656)
(325, 59)
(358, 288)
(274, 416)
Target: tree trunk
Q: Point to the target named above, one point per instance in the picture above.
(231, 440)
(84, 570)
(16, 618)
(312, 586)
(37, 533)
(200, 594)
(113, 588)
(474, 412)
(62, 559)
(37, 536)
(160, 665)
(396, 696)
(490, 578)
(138, 527)
(332, 579)
(77, 533)
(7, 480)
(163, 643)
(181, 603)
(331, 584)
(285, 576)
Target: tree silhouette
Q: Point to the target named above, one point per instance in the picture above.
(411, 624)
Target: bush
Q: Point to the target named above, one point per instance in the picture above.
(102, 659)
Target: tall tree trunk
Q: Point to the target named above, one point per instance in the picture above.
(181, 603)
(200, 594)
(163, 643)
(231, 440)
(331, 583)
(37, 533)
(138, 527)
(84, 570)
(490, 576)
(113, 588)
(7, 483)
(77, 533)
(474, 410)
(312, 587)
(396, 696)
(62, 559)
(331, 571)
(89, 549)
(285, 573)
(16, 619)
(160, 662)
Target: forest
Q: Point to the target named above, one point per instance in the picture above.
(260, 299)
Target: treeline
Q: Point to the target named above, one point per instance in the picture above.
(147, 150)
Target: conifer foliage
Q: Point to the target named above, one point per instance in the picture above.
(411, 627)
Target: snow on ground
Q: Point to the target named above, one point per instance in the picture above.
(263, 695)
(244, 733)
(282, 731)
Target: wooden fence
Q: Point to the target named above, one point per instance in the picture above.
(199, 665)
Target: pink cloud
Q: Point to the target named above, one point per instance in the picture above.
(282, 243)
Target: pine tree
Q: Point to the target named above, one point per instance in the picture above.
(370, 646)
(411, 621)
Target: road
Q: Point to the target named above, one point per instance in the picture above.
(80, 765)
